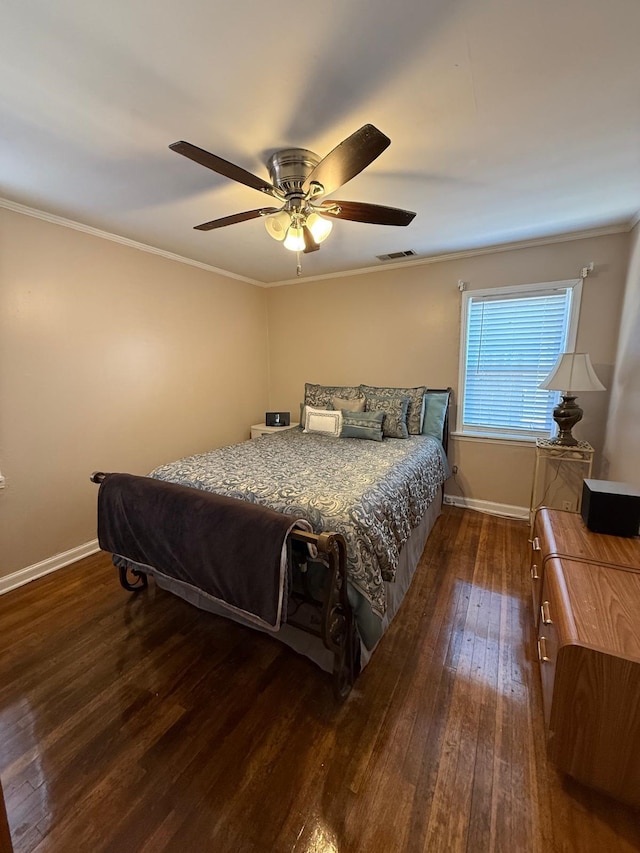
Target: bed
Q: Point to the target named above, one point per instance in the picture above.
(349, 518)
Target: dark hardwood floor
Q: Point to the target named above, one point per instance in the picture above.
(138, 723)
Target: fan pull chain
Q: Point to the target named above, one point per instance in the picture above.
(298, 264)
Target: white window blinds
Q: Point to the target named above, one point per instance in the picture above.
(512, 343)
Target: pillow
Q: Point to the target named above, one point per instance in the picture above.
(362, 425)
(415, 413)
(436, 403)
(321, 396)
(355, 405)
(324, 421)
(394, 424)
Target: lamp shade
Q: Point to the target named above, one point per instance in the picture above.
(573, 371)
(277, 224)
(294, 241)
(319, 227)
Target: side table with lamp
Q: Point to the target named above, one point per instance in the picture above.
(563, 462)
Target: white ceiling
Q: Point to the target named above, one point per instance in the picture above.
(509, 119)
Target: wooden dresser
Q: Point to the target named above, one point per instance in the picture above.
(586, 601)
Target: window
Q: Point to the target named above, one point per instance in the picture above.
(511, 338)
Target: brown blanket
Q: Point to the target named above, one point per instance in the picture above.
(232, 550)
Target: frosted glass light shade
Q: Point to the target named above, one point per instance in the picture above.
(319, 226)
(573, 371)
(277, 224)
(294, 239)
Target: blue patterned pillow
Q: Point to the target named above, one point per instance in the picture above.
(362, 425)
(321, 396)
(394, 409)
(415, 412)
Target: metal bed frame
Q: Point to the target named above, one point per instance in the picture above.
(336, 624)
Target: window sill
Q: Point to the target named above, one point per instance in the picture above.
(495, 438)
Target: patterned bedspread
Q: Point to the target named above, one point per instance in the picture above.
(374, 493)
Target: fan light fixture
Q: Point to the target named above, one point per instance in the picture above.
(289, 226)
(300, 183)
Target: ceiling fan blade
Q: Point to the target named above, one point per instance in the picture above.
(348, 159)
(223, 167)
(310, 244)
(360, 211)
(236, 217)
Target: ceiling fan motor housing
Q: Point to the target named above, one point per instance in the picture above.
(290, 168)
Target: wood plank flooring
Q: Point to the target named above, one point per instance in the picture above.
(138, 723)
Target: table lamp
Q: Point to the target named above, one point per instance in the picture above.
(572, 372)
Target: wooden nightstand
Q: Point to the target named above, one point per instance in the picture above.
(258, 430)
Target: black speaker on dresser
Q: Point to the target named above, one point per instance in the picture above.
(612, 508)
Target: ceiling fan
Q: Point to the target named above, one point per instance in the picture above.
(299, 182)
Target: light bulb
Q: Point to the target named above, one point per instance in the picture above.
(277, 224)
(319, 227)
(294, 239)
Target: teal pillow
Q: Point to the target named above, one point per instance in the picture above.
(362, 425)
(436, 403)
(394, 424)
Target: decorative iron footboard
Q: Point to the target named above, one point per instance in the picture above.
(336, 625)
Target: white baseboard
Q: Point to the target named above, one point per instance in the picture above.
(491, 508)
(51, 564)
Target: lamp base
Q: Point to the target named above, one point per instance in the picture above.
(566, 414)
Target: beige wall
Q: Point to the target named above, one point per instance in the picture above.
(116, 359)
(402, 326)
(113, 359)
(622, 448)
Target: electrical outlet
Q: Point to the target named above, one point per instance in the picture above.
(567, 505)
(454, 469)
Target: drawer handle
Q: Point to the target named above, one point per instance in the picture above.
(542, 650)
(545, 613)
(534, 572)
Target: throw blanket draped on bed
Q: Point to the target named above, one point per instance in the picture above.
(232, 550)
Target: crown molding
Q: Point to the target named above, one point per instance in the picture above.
(620, 228)
(123, 241)
(603, 231)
